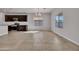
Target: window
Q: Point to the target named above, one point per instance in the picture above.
(59, 20)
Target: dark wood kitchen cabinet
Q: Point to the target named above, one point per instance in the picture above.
(20, 18)
(18, 28)
(22, 28)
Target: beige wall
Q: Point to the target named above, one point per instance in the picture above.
(71, 24)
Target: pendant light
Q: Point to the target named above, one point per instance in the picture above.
(38, 15)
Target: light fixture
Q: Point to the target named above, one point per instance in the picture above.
(38, 14)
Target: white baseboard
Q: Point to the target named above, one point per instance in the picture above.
(67, 38)
(3, 34)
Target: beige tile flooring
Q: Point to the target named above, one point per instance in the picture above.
(35, 41)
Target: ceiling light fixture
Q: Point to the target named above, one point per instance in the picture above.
(38, 14)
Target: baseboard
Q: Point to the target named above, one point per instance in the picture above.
(67, 38)
(3, 34)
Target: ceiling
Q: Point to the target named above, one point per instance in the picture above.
(26, 10)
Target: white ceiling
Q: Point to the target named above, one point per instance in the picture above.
(26, 10)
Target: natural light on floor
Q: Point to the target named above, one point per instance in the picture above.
(31, 32)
